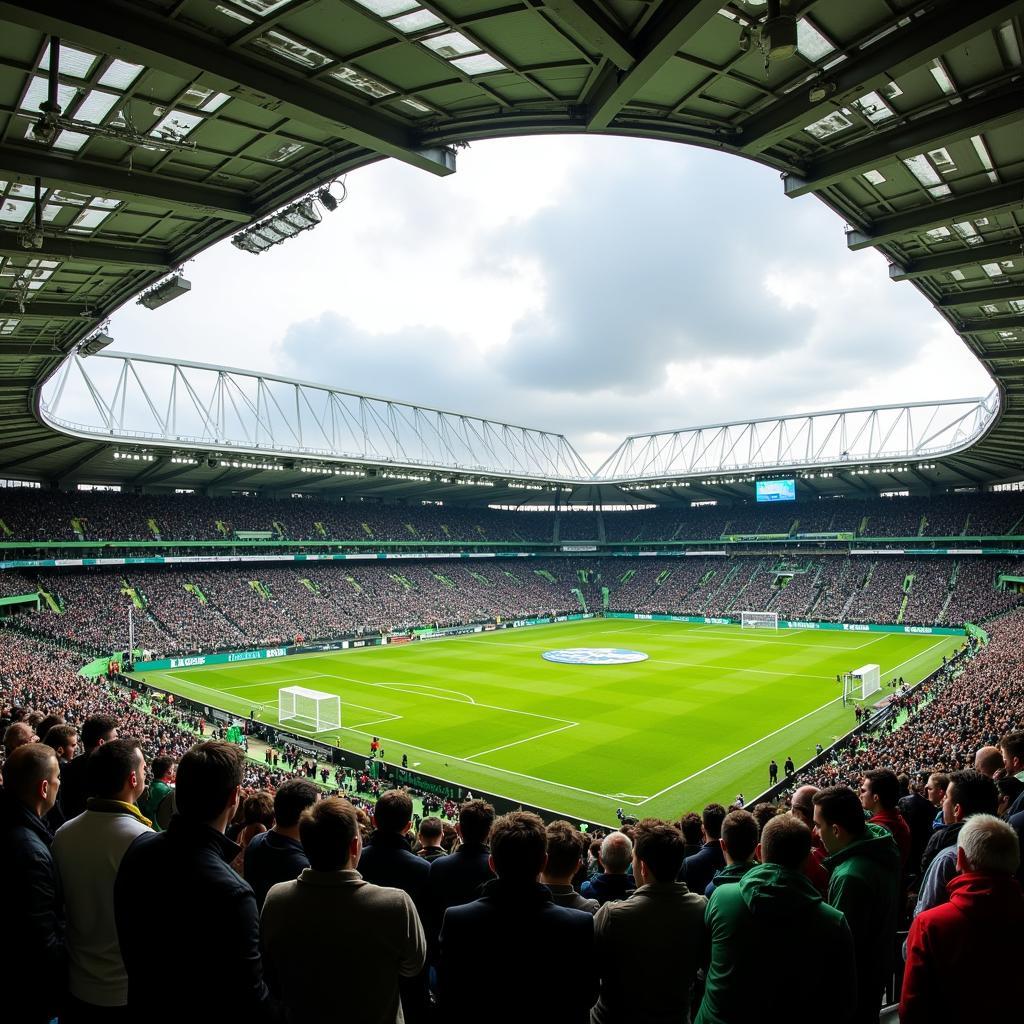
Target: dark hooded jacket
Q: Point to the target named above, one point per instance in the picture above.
(774, 915)
(865, 885)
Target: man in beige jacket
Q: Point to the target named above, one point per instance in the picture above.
(374, 931)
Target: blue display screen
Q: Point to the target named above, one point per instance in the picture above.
(776, 490)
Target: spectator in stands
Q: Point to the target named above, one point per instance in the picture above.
(515, 935)
(1009, 789)
(17, 735)
(1011, 746)
(614, 882)
(64, 740)
(693, 834)
(430, 835)
(176, 891)
(864, 862)
(388, 859)
(460, 877)
(277, 855)
(801, 806)
(96, 730)
(961, 956)
(935, 792)
(371, 932)
(88, 850)
(699, 869)
(918, 813)
(158, 801)
(774, 910)
(32, 947)
(739, 840)
(988, 760)
(879, 796)
(969, 793)
(567, 847)
(650, 946)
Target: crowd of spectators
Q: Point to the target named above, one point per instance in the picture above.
(191, 609)
(34, 514)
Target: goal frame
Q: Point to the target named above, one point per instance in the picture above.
(294, 701)
(861, 683)
(759, 620)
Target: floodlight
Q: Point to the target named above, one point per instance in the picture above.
(778, 34)
(170, 289)
(96, 343)
(287, 223)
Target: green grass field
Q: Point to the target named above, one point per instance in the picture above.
(699, 720)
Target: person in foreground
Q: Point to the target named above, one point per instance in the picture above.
(32, 952)
(961, 954)
(375, 932)
(650, 946)
(774, 911)
(864, 883)
(176, 891)
(515, 937)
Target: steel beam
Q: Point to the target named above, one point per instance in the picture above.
(42, 348)
(957, 258)
(135, 33)
(903, 50)
(36, 310)
(600, 32)
(85, 250)
(70, 442)
(949, 124)
(669, 28)
(992, 323)
(895, 225)
(25, 164)
(1009, 352)
(979, 296)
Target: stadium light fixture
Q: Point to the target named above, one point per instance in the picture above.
(291, 221)
(95, 343)
(164, 292)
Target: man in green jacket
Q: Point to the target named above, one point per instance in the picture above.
(774, 912)
(157, 803)
(864, 864)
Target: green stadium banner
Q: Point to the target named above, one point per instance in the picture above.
(848, 627)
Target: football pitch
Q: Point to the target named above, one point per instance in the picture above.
(698, 720)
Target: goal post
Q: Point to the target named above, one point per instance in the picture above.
(318, 711)
(861, 683)
(759, 620)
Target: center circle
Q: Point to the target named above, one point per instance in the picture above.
(594, 656)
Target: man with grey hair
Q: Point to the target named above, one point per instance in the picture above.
(613, 883)
(979, 933)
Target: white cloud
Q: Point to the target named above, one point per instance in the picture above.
(596, 287)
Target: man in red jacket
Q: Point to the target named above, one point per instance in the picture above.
(879, 796)
(978, 934)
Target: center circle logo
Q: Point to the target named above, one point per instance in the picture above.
(594, 656)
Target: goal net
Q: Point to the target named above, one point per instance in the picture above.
(759, 620)
(862, 682)
(311, 708)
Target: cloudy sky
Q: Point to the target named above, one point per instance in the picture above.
(595, 287)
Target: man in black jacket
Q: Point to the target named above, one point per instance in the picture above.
(32, 949)
(514, 938)
(277, 855)
(176, 891)
(96, 731)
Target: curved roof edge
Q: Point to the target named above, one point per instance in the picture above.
(176, 406)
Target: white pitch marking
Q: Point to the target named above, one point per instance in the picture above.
(529, 739)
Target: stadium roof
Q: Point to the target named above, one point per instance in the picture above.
(172, 125)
